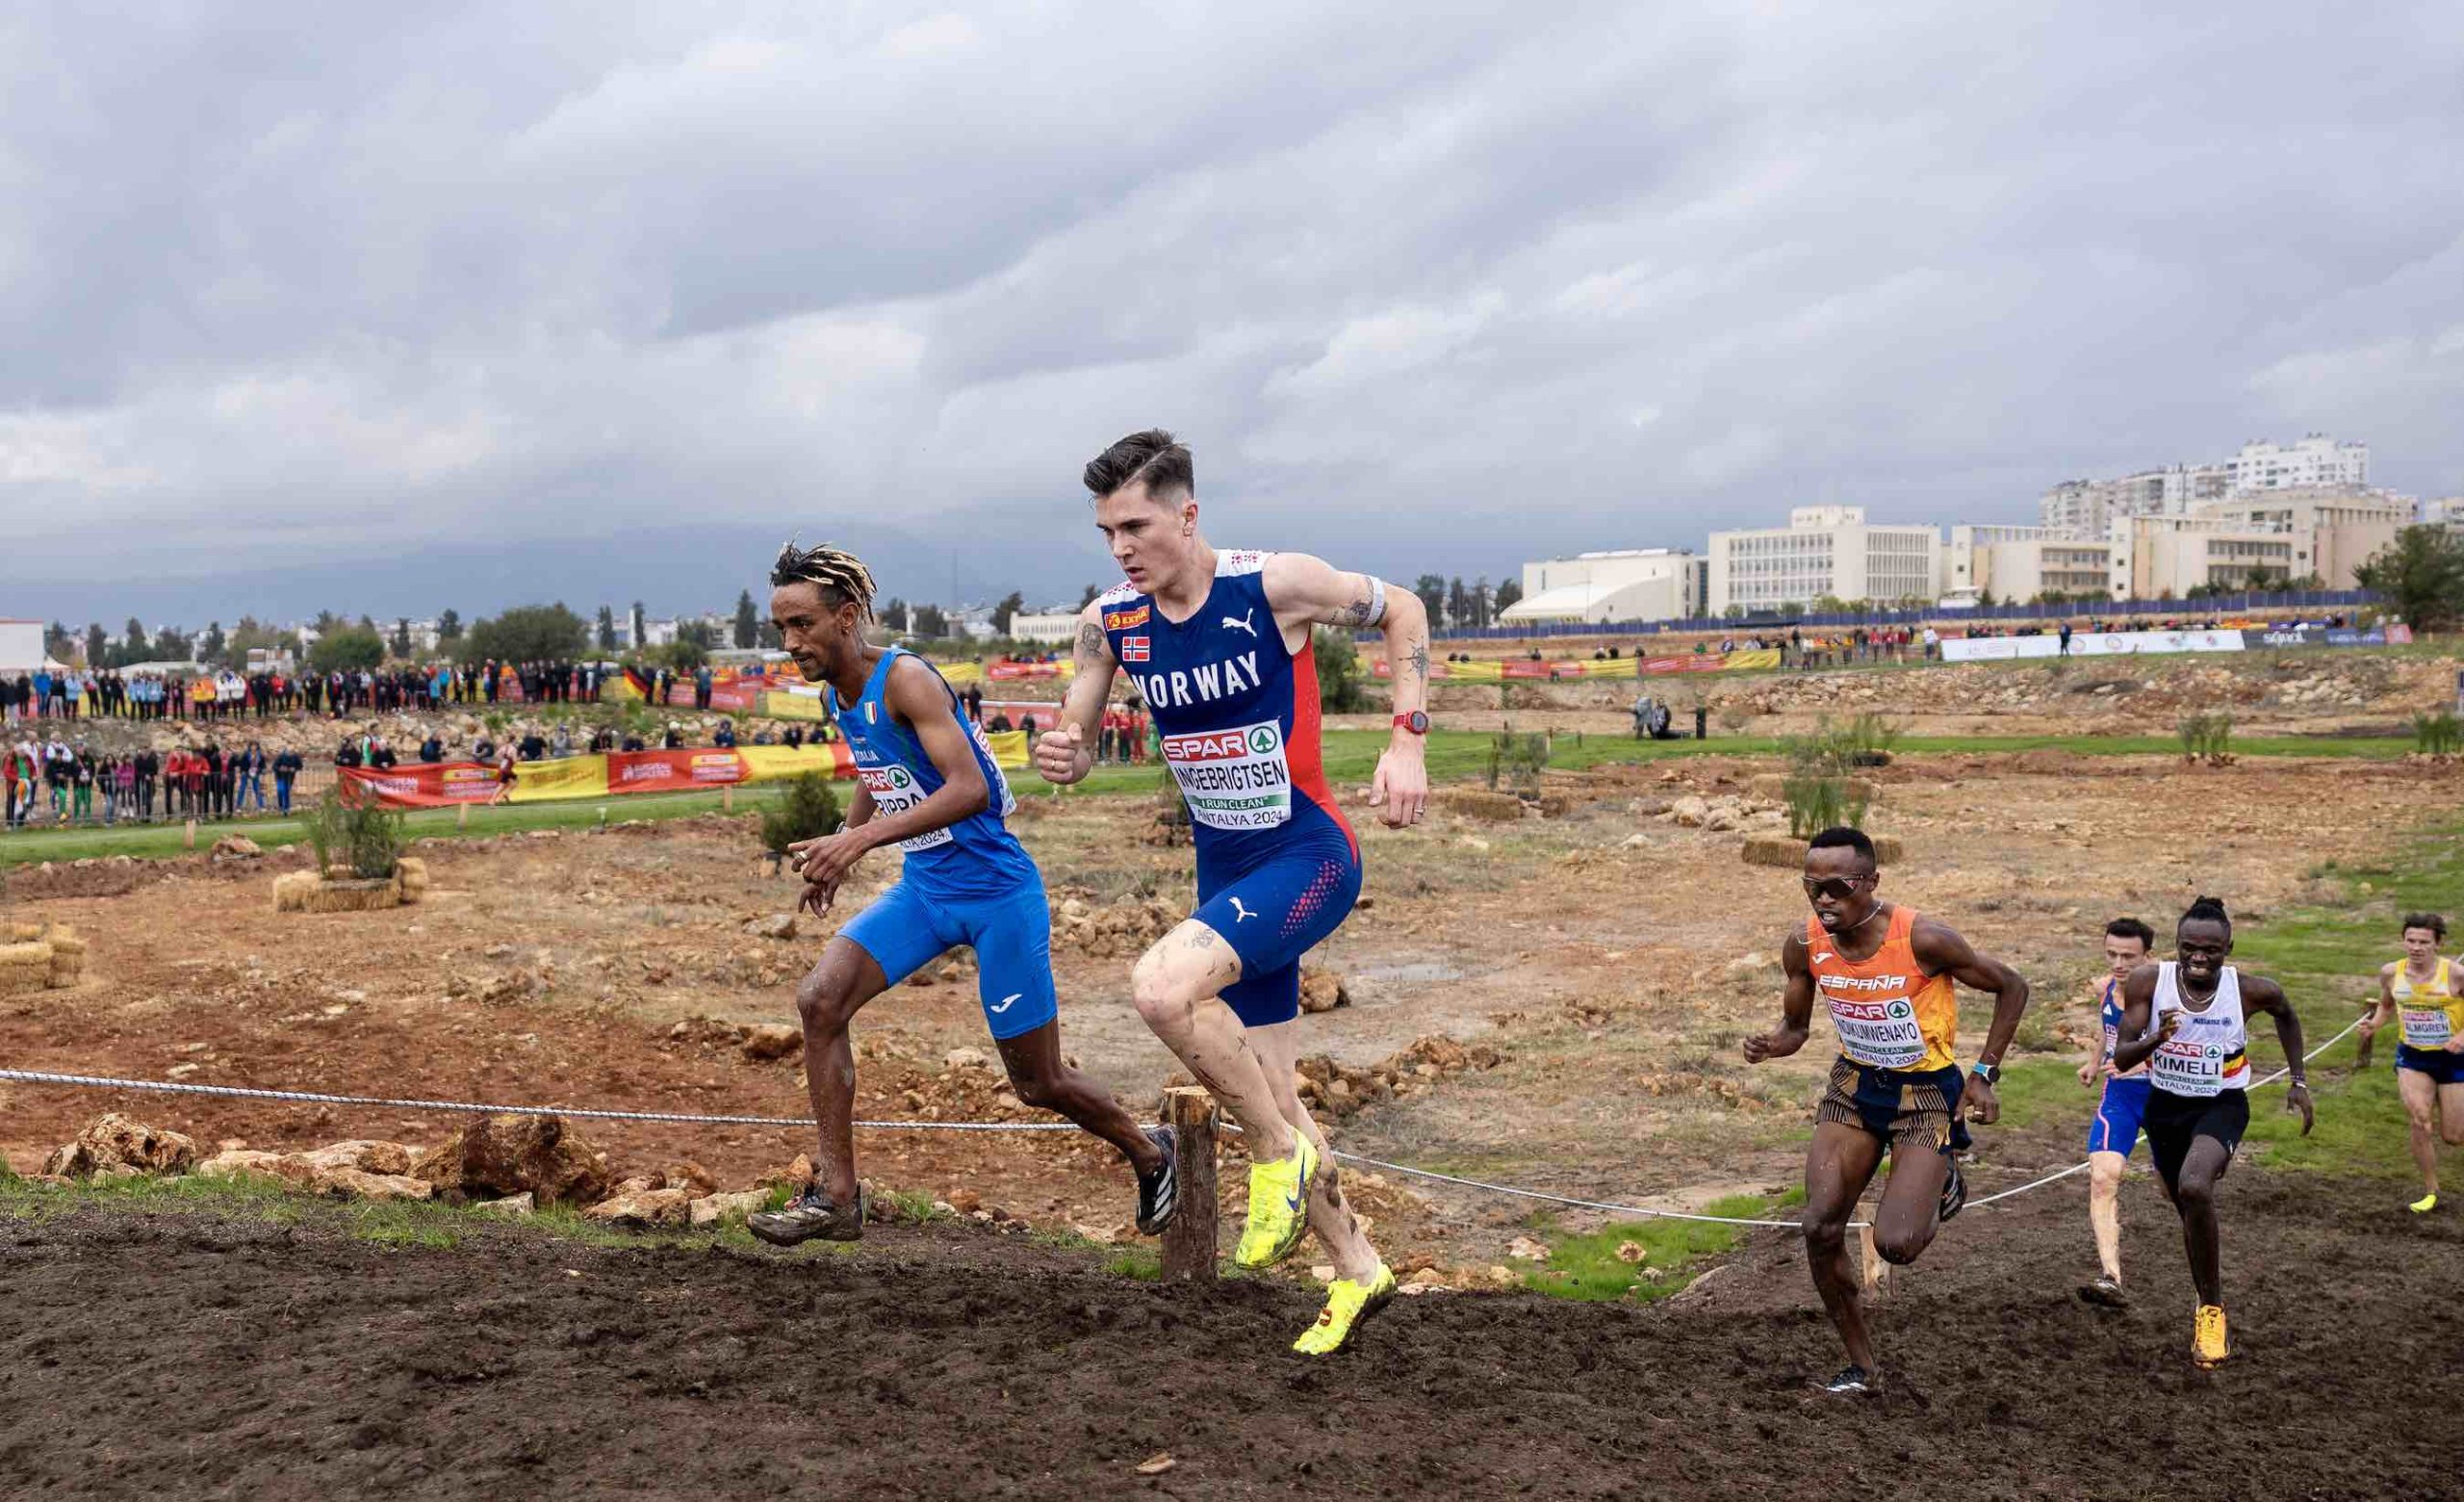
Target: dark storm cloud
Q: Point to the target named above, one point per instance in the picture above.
(283, 286)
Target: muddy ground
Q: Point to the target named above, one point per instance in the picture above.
(242, 1359)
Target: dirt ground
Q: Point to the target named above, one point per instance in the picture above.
(1614, 959)
(242, 1359)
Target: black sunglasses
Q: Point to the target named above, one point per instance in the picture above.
(1838, 889)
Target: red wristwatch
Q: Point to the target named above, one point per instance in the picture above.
(1417, 723)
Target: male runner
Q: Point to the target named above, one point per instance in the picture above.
(2113, 1132)
(930, 786)
(2198, 1062)
(1218, 644)
(2429, 1062)
(1890, 978)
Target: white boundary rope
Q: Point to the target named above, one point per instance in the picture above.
(473, 1108)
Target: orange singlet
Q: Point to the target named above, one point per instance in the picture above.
(1890, 1013)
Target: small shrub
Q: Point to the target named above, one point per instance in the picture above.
(1734, 718)
(1517, 761)
(1815, 788)
(808, 809)
(2437, 735)
(366, 841)
(2207, 737)
(1338, 663)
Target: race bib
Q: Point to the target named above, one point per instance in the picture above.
(1238, 778)
(1879, 1034)
(2186, 1067)
(895, 790)
(2429, 1028)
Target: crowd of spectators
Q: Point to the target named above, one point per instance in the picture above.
(53, 781)
(77, 693)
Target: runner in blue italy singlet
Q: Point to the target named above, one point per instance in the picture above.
(971, 883)
(1278, 868)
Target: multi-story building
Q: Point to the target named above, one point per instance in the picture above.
(1964, 557)
(1043, 626)
(2316, 460)
(2344, 525)
(1626, 584)
(2161, 558)
(2016, 564)
(2085, 508)
(1825, 552)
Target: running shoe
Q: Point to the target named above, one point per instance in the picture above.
(2424, 1204)
(1278, 1206)
(2104, 1291)
(1348, 1305)
(809, 1216)
(1954, 1193)
(2208, 1347)
(1851, 1381)
(1159, 1193)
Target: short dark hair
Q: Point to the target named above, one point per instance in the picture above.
(1841, 837)
(1154, 458)
(2210, 909)
(2132, 928)
(2435, 923)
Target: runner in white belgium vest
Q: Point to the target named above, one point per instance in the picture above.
(2186, 1019)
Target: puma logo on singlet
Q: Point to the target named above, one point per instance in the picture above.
(1240, 913)
(1242, 624)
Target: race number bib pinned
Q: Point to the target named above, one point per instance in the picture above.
(1878, 1034)
(2428, 1028)
(895, 790)
(1238, 778)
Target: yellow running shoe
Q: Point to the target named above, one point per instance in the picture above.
(2425, 1204)
(2207, 1338)
(1349, 1305)
(1278, 1206)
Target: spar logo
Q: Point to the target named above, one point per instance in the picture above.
(1224, 745)
(1900, 1010)
(900, 779)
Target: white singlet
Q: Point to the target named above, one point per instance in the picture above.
(2209, 1054)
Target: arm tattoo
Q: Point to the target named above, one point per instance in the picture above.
(1368, 608)
(1420, 661)
(1092, 646)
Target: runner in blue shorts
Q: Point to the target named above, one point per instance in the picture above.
(2113, 1130)
(930, 786)
(1218, 645)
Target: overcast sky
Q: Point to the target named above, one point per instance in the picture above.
(290, 288)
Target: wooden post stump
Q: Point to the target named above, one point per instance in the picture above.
(462, 816)
(1188, 1241)
(191, 834)
(726, 799)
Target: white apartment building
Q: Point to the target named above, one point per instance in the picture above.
(2025, 569)
(2316, 460)
(2155, 558)
(1962, 559)
(2344, 525)
(1824, 551)
(1047, 626)
(2085, 508)
(1626, 584)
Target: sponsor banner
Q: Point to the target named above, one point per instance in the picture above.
(672, 771)
(2277, 637)
(769, 764)
(1007, 672)
(1010, 750)
(1764, 659)
(425, 785)
(565, 777)
(2112, 643)
(736, 698)
(795, 702)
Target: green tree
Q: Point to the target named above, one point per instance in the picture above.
(59, 641)
(215, 647)
(605, 629)
(527, 632)
(402, 636)
(133, 646)
(1432, 592)
(1483, 604)
(350, 649)
(449, 625)
(1088, 598)
(249, 637)
(690, 649)
(639, 625)
(2421, 575)
(1458, 603)
(97, 645)
(1007, 611)
(768, 637)
(932, 621)
(747, 624)
(1339, 685)
(1509, 592)
(895, 615)
(173, 646)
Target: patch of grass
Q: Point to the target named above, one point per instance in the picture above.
(1144, 1263)
(1592, 1266)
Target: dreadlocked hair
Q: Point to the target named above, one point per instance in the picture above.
(841, 575)
(2211, 909)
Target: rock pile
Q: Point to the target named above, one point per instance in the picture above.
(1121, 928)
(1338, 1090)
(116, 1146)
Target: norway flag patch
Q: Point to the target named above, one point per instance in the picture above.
(1133, 649)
